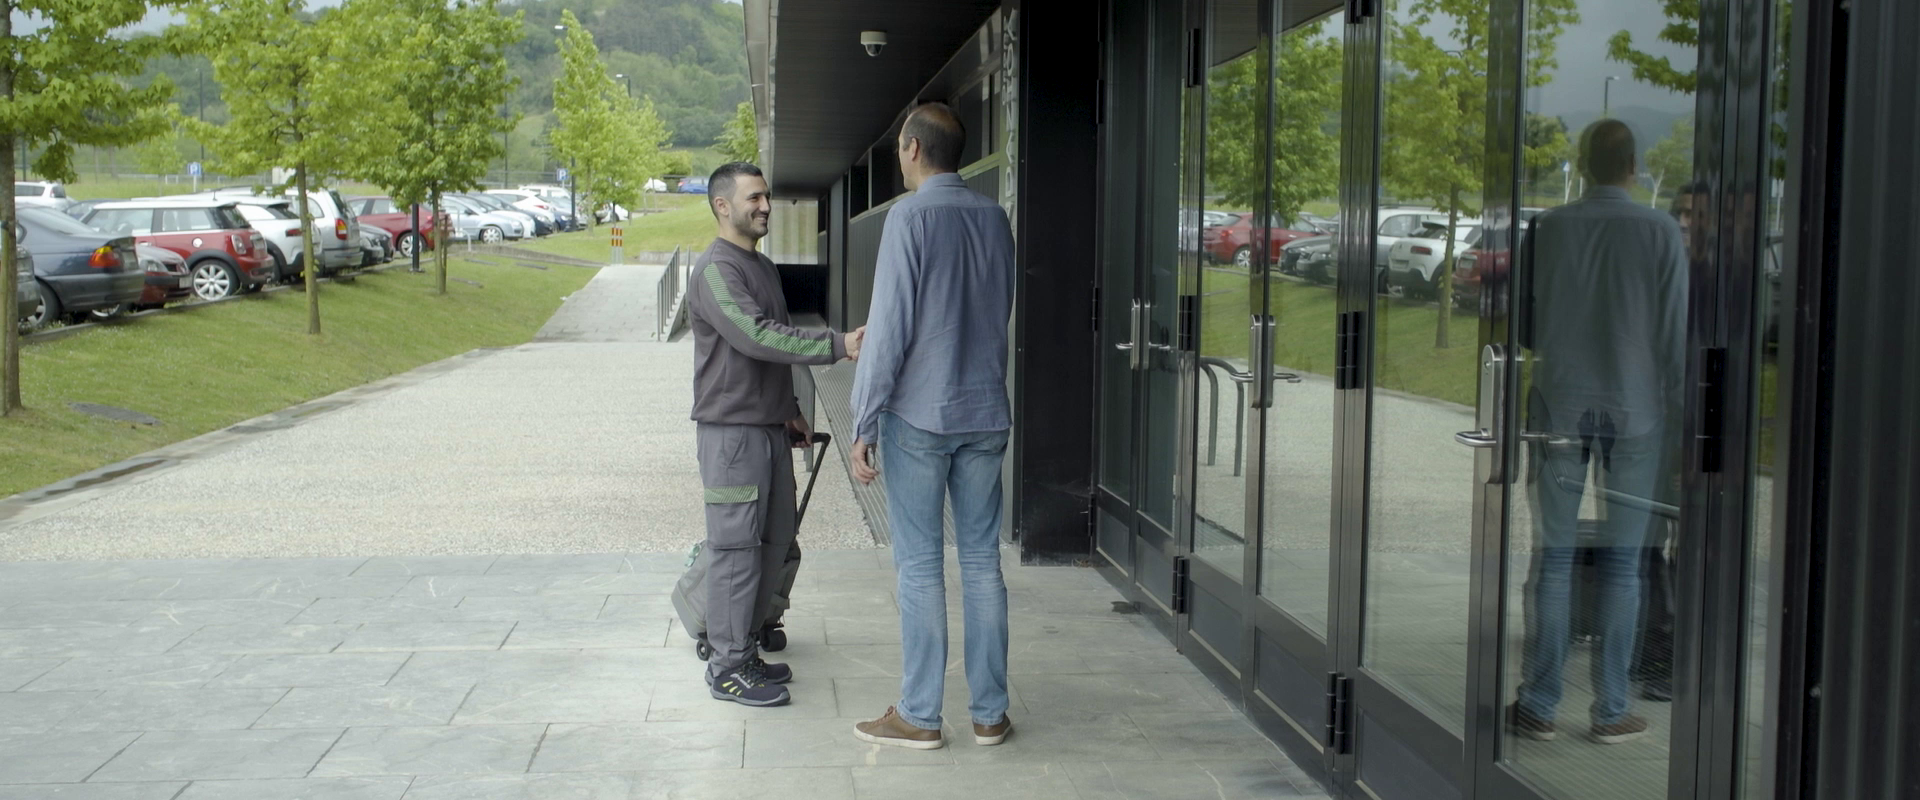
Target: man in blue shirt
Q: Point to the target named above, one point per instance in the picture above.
(931, 393)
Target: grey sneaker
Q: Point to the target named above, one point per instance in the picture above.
(775, 673)
(748, 686)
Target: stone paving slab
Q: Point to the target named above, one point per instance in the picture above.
(354, 697)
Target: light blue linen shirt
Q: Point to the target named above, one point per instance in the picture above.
(935, 352)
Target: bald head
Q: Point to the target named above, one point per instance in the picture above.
(1607, 153)
(940, 134)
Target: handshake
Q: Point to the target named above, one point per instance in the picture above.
(854, 341)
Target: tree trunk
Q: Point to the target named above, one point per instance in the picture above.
(439, 253)
(10, 324)
(312, 272)
(1443, 278)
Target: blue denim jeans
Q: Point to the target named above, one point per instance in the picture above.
(922, 470)
(1633, 466)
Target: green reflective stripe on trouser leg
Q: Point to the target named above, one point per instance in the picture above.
(786, 343)
(728, 495)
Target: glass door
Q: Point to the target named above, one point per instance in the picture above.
(1141, 250)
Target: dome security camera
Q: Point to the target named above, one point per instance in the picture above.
(873, 41)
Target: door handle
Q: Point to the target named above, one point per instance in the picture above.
(1133, 336)
(1142, 317)
(1478, 440)
(1262, 368)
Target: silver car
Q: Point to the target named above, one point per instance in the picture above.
(42, 194)
(336, 232)
(474, 222)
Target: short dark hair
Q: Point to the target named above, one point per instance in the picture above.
(720, 183)
(942, 136)
(1607, 151)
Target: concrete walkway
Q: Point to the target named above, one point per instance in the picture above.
(576, 443)
(454, 584)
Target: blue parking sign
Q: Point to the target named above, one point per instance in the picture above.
(561, 173)
(193, 168)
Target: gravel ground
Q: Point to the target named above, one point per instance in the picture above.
(576, 443)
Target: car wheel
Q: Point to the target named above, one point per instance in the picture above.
(279, 263)
(48, 311)
(107, 313)
(491, 235)
(213, 280)
(1243, 258)
(408, 241)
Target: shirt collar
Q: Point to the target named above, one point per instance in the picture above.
(1608, 193)
(735, 248)
(942, 179)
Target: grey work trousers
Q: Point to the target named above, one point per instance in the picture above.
(747, 471)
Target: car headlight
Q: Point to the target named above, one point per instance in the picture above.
(149, 265)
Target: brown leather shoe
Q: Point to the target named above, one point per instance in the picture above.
(992, 734)
(1626, 730)
(890, 729)
(1521, 723)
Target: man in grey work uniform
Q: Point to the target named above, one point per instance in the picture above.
(748, 422)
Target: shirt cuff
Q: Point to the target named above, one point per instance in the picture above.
(839, 346)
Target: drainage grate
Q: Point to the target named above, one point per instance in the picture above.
(115, 414)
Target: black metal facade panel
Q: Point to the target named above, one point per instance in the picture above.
(1053, 370)
(1869, 635)
(863, 254)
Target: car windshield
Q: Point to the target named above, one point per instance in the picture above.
(25, 190)
(334, 197)
(280, 211)
(57, 222)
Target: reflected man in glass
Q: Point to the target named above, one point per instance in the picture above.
(1605, 321)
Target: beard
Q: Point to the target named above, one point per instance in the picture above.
(751, 224)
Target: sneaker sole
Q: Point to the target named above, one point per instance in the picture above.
(1619, 738)
(910, 744)
(989, 741)
(782, 700)
(1541, 736)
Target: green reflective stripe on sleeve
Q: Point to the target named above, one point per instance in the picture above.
(723, 495)
(786, 343)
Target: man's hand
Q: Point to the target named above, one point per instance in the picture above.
(854, 341)
(863, 470)
(800, 433)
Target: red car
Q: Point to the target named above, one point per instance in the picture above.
(168, 278)
(1232, 243)
(1481, 270)
(225, 256)
(380, 212)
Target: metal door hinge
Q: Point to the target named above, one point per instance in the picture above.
(1189, 323)
(1339, 713)
(1182, 577)
(1346, 364)
(1713, 405)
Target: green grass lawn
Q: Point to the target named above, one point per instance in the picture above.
(686, 225)
(1304, 339)
(206, 369)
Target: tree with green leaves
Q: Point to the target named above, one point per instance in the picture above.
(65, 83)
(297, 96)
(1671, 158)
(1435, 147)
(612, 143)
(740, 140)
(1305, 153)
(160, 155)
(1683, 29)
(445, 132)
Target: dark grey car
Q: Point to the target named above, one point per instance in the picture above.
(79, 269)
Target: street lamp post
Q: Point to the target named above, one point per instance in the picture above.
(629, 80)
(1606, 96)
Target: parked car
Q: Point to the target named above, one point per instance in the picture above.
(547, 190)
(277, 223)
(224, 255)
(1233, 242)
(381, 213)
(26, 291)
(80, 208)
(1414, 262)
(336, 233)
(167, 277)
(612, 212)
(562, 219)
(376, 247)
(540, 223)
(80, 270)
(693, 185)
(1487, 265)
(1215, 219)
(1310, 257)
(41, 194)
(469, 221)
(655, 185)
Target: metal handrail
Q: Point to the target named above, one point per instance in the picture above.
(1240, 382)
(667, 294)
